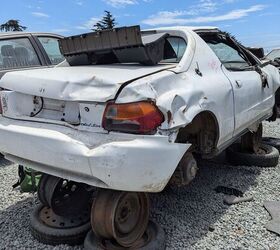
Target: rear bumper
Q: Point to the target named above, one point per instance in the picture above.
(115, 160)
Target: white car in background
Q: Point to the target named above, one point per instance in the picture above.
(131, 127)
(28, 50)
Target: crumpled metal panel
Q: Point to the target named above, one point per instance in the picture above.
(116, 160)
(83, 83)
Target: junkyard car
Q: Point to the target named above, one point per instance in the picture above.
(131, 127)
(24, 50)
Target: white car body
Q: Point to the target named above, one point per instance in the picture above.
(87, 153)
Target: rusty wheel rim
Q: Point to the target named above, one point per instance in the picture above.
(147, 237)
(120, 216)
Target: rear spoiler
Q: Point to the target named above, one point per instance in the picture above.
(120, 45)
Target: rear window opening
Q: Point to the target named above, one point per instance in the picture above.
(123, 45)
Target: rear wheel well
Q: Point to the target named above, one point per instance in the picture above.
(202, 133)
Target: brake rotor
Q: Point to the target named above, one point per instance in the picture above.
(120, 216)
(48, 217)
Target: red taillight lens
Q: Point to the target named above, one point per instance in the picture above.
(139, 117)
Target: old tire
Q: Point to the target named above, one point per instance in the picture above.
(53, 235)
(269, 159)
(41, 189)
(272, 141)
(153, 239)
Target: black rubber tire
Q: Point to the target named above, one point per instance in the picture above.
(270, 159)
(41, 189)
(272, 141)
(156, 243)
(56, 236)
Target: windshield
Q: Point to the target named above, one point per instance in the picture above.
(274, 54)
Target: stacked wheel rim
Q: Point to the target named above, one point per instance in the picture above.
(66, 198)
(122, 216)
(50, 228)
(152, 239)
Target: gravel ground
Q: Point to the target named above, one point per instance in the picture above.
(193, 217)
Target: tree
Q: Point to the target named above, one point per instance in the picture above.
(12, 25)
(107, 22)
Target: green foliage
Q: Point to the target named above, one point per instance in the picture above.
(12, 25)
(107, 22)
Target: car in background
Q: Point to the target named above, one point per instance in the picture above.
(25, 50)
(275, 53)
(274, 56)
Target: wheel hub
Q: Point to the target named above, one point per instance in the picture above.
(127, 213)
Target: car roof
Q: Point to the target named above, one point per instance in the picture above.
(20, 33)
(193, 28)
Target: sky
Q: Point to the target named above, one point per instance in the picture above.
(253, 23)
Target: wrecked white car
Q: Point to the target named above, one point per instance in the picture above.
(121, 125)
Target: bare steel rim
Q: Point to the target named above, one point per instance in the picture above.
(66, 198)
(149, 235)
(122, 216)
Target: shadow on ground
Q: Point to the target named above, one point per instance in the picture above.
(188, 213)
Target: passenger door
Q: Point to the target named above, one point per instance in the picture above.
(253, 100)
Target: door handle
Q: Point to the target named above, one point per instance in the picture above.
(238, 83)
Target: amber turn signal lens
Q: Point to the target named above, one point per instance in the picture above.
(138, 117)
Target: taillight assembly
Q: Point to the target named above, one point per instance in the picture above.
(138, 117)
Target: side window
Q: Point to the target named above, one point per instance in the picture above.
(229, 56)
(174, 49)
(17, 53)
(51, 46)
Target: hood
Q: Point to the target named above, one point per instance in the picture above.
(80, 83)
